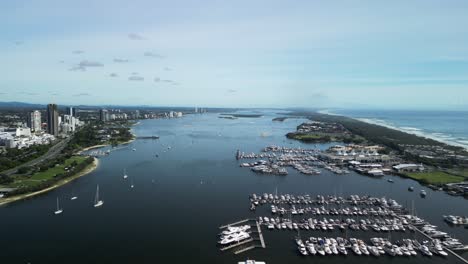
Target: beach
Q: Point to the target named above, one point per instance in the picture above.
(90, 168)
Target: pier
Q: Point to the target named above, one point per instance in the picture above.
(245, 243)
(260, 235)
(236, 223)
(237, 244)
(447, 249)
(244, 249)
(147, 137)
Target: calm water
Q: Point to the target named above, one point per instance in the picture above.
(180, 198)
(447, 126)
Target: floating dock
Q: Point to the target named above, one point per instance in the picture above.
(445, 248)
(244, 249)
(236, 223)
(237, 244)
(260, 235)
(246, 242)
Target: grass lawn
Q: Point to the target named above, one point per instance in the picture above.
(461, 172)
(435, 177)
(23, 181)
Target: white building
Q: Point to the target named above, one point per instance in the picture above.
(408, 167)
(23, 132)
(35, 121)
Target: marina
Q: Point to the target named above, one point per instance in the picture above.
(199, 177)
(237, 235)
(355, 213)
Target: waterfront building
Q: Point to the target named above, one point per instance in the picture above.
(103, 115)
(34, 121)
(409, 167)
(52, 119)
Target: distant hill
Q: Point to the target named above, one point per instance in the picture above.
(20, 105)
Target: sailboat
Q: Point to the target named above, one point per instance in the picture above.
(97, 202)
(59, 211)
(131, 183)
(125, 174)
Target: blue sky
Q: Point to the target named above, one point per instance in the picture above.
(385, 54)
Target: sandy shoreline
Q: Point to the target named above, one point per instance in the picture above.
(414, 131)
(90, 168)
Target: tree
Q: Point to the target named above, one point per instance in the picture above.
(5, 179)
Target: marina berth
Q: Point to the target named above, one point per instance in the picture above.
(354, 214)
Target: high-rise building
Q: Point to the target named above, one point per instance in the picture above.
(34, 121)
(52, 119)
(71, 111)
(103, 115)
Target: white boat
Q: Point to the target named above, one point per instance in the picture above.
(97, 202)
(58, 211)
(235, 229)
(423, 193)
(250, 261)
(74, 197)
(237, 237)
(125, 176)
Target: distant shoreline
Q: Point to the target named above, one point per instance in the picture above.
(414, 131)
(90, 168)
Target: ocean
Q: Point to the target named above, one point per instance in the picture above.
(450, 127)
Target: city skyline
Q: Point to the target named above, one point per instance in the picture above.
(319, 54)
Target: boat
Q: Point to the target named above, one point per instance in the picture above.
(125, 176)
(423, 193)
(390, 180)
(134, 149)
(235, 229)
(303, 251)
(97, 202)
(237, 237)
(411, 188)
(250, 261)
(425, 250)
(74, 197)
(58, 211)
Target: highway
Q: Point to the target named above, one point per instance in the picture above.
(51, 153)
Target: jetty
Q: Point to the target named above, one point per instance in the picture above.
(240, 243)
(247, 244)
(260, 235)
(445, 248)
(147, 137)
(236, 223)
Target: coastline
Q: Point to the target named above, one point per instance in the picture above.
(410, 130)
(90, 168)
(105, 145)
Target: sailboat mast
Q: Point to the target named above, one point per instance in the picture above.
(97, 194)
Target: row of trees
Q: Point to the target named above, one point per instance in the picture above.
(15, 157)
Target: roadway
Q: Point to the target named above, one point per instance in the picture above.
(51, 153)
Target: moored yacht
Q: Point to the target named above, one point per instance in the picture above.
(97, 202)
(59, 210)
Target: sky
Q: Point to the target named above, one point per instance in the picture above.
(243, 53)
